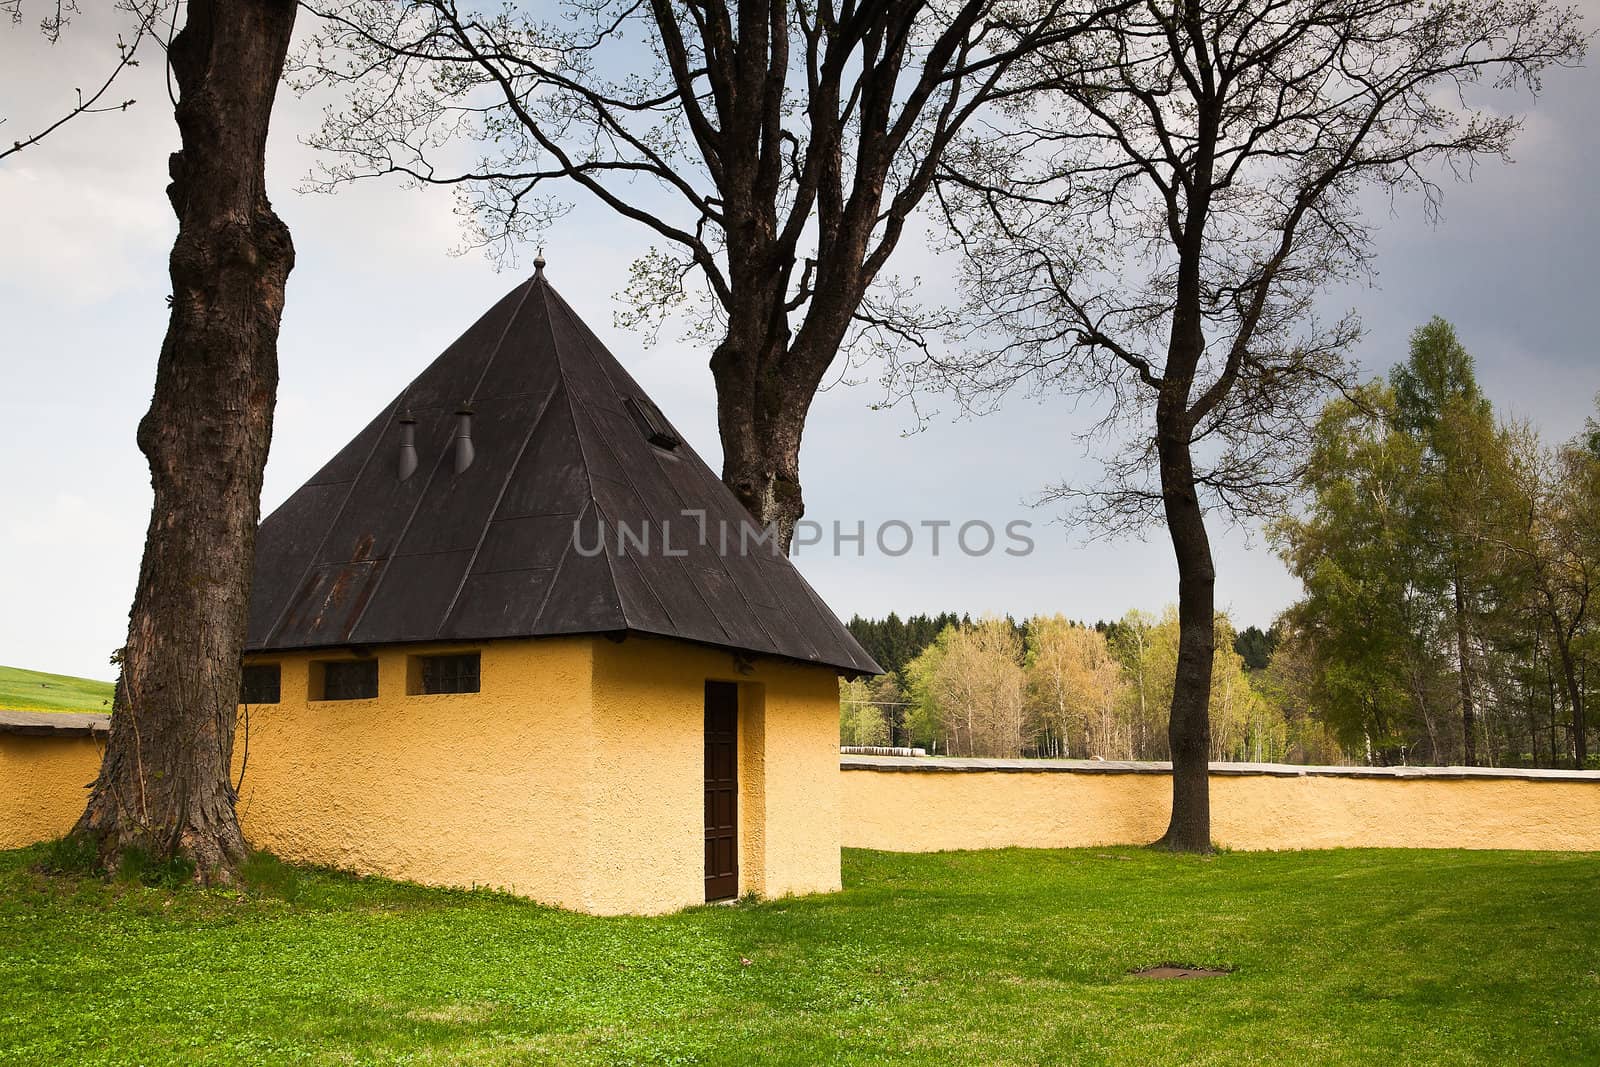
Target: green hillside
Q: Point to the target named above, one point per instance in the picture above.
(36, 691)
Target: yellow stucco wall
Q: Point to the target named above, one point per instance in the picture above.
(649, 773)
(800, 772)
(929, 811)
(1325, 812)
(43, 784)
(575, 776)
(466, 789)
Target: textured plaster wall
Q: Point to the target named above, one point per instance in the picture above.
(483, 788)
(574, 777)
(646, 790)
(648, 833)
(905, 811)
(594, 802)
(1317, 812)
(43, 784)
(929, 811)
(800, 771)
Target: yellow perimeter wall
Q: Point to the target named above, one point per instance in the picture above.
(43, 782)
(930, 811)
(574, 777)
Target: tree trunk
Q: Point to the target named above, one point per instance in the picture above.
(1189, 727)
(1569, 679)
(760, 413)
(761, 463)
(164, 786)
(1550, 696)
(1580, 726)
(1469, 726)
(767, 377)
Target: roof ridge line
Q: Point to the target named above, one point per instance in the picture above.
(349, 488)
(400, 537)
(588, 472)
(682, 566)
(500, 341)
(499, 498)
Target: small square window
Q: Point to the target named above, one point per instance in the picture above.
(260, 683)
(351, 679)
(450, 674)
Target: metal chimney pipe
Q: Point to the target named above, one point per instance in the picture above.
(463, 442)
(408, 446)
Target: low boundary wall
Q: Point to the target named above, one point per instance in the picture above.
(47, 762)
(930, 804)
(933, 804)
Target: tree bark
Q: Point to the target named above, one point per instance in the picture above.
(1569, 680)
(165, 785)
(760, 425)
(1469, 725)
(1189, 726)
(766, 379)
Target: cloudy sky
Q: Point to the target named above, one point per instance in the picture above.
(377, 294)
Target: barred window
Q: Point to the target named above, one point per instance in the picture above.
(260, 683)
(450, 674)
(355, 679)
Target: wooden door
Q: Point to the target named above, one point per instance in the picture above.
(722, 790)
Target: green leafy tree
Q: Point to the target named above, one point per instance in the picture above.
(1458, 499)
(1556, 552)
(1354, 550)
(1447, 561)
(1255, 646)
(1076, 691)
(862, 720)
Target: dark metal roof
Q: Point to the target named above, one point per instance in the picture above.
(359, 557)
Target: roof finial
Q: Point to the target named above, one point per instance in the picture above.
(538, 263)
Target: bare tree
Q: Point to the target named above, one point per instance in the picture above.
(146, 16)
(1155, 214)
(776, 148)
(1556, 547)
(164, 785)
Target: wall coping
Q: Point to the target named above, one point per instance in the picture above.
(949, 764)
(55, 723)
(72, 723)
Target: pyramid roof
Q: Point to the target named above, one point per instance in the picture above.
(541, 534)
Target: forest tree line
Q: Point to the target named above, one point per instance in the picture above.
(1054, 687)
(1447, 557)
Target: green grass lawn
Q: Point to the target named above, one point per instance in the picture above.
(35, 691)
(978, 957)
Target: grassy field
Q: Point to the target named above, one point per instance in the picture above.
(980, 957)
(35, 691)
